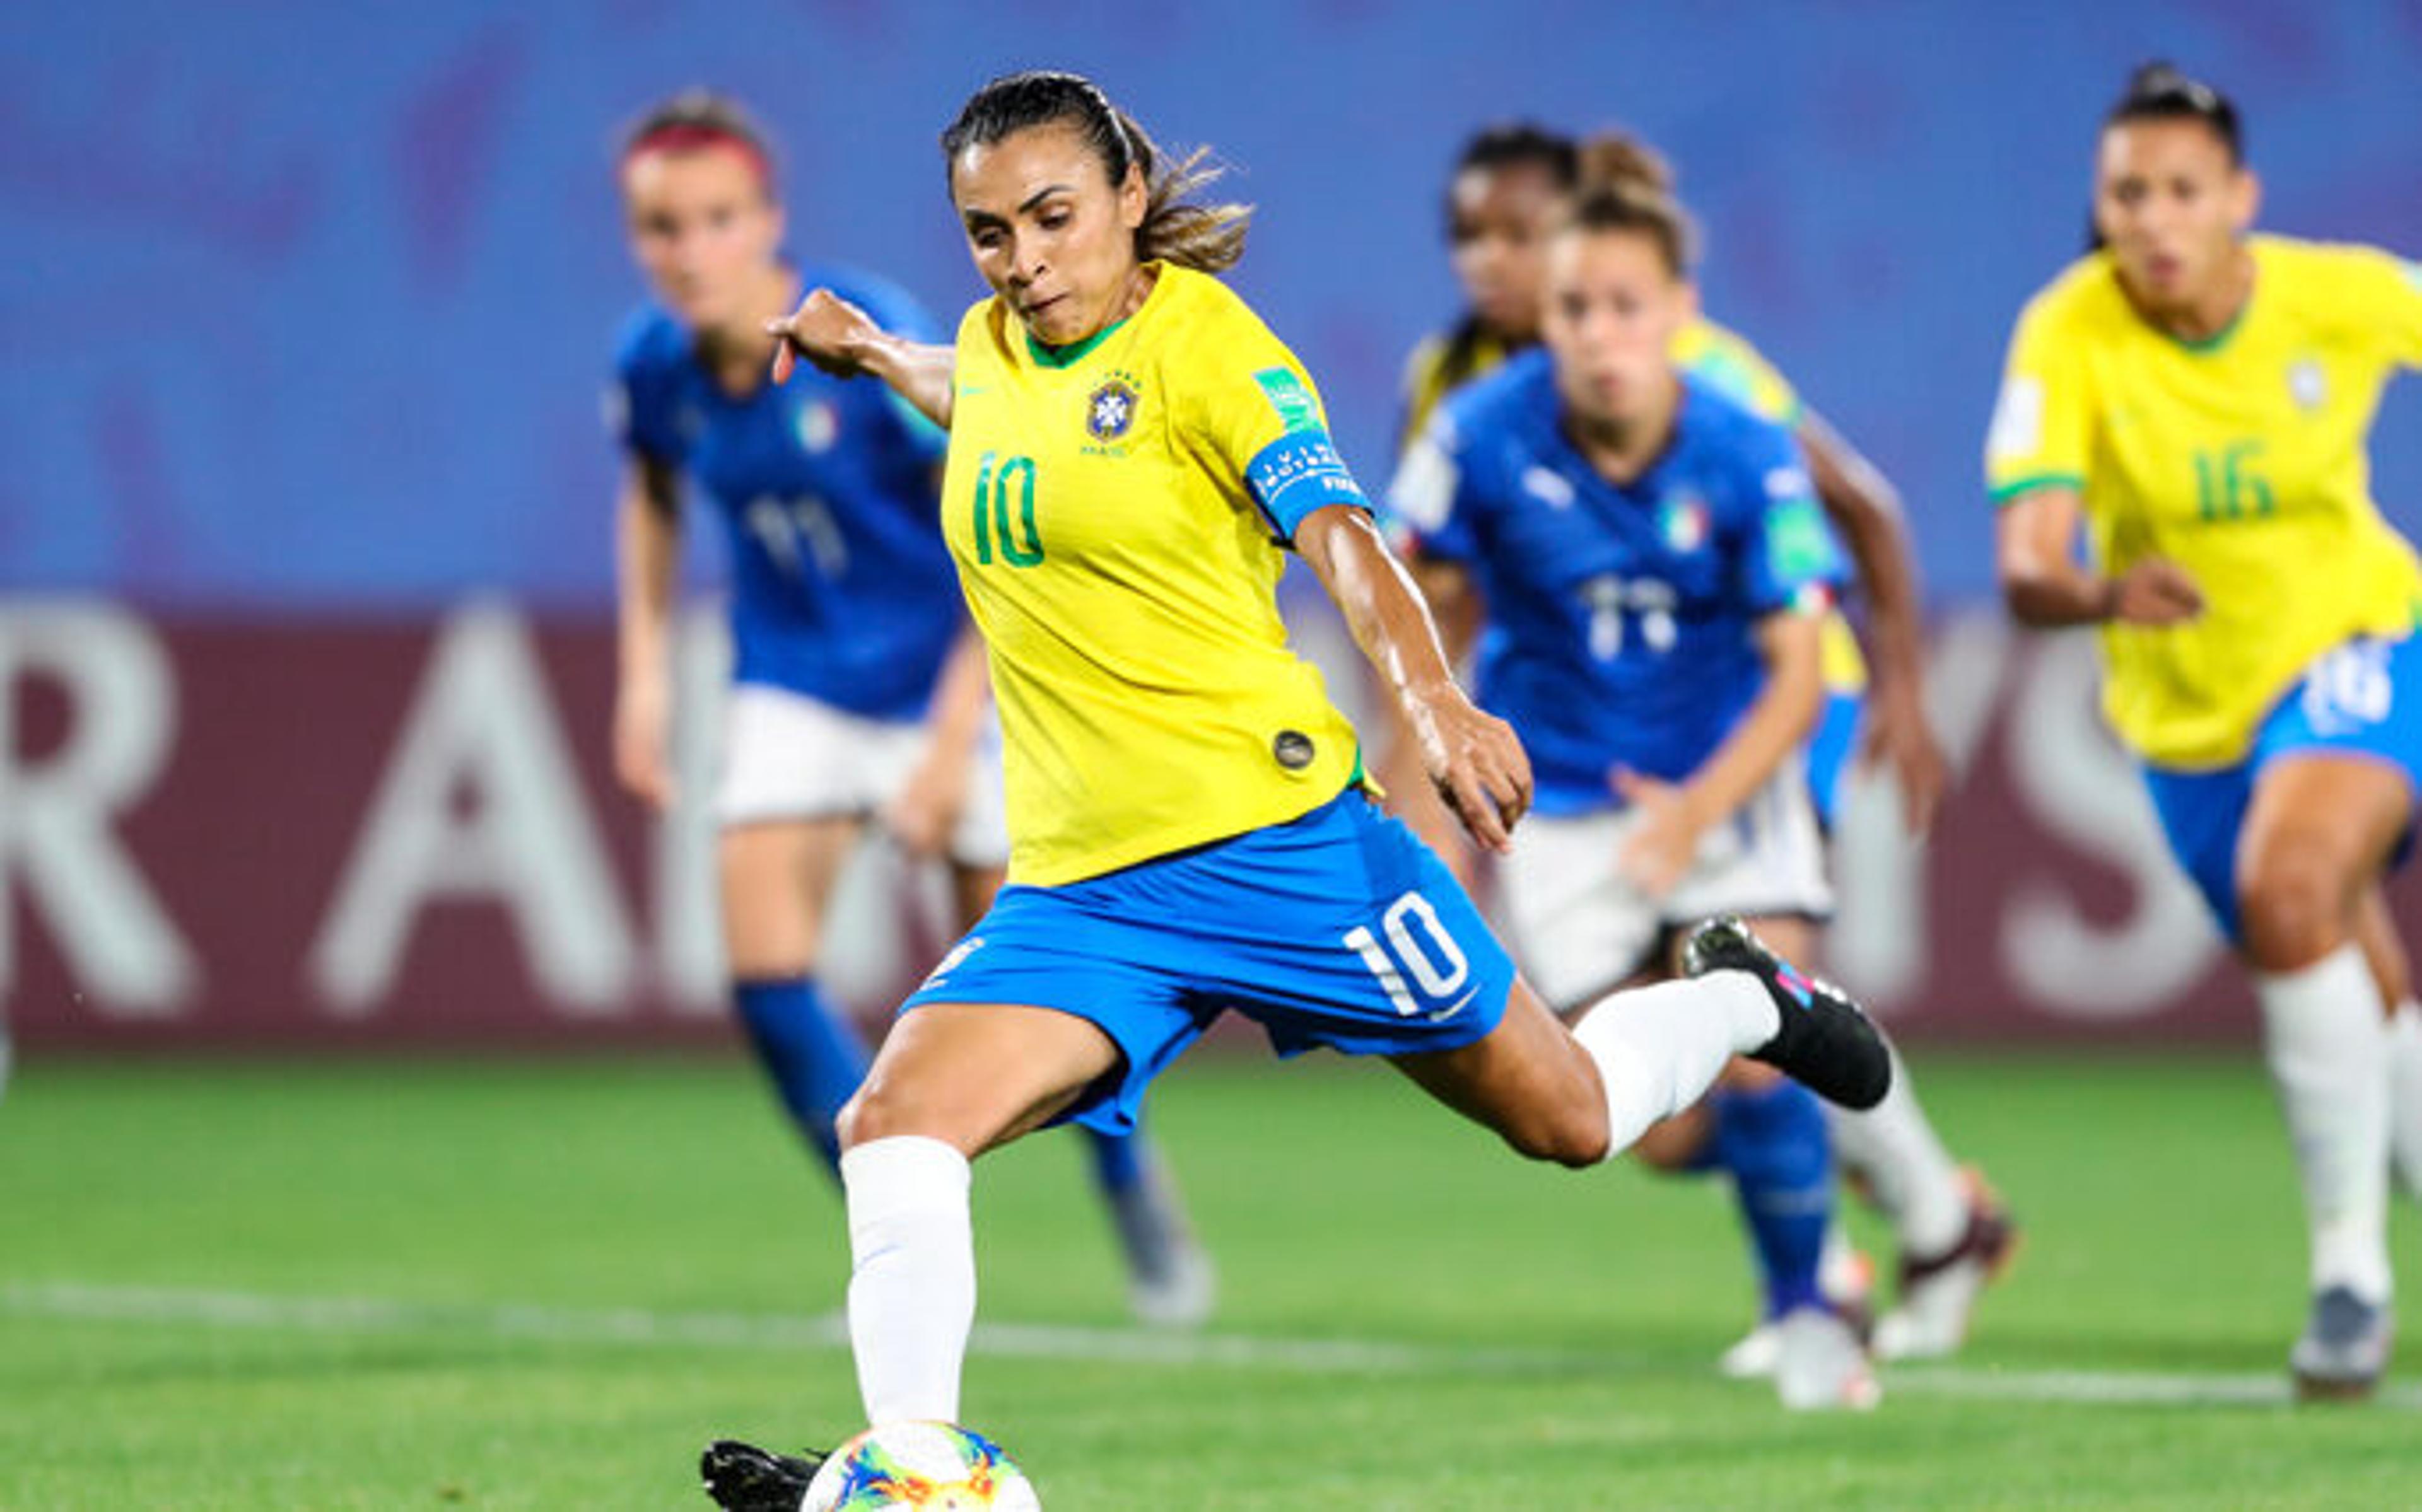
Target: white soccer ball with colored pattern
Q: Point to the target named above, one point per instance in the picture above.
(940, 1467)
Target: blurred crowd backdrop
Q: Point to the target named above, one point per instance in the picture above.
(305, 571)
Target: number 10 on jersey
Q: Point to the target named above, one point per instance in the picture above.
(996, 480)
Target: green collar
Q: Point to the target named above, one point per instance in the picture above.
(1069, 356)
(2218, 338)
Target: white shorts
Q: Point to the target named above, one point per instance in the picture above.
(1578, 928)
(788, 756)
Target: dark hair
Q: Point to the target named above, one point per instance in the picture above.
(696, 118)
(1207, 238)
(1519, 145)
(2160, 92)
(1624, 184)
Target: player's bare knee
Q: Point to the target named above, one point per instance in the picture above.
(2293, 904)
(877, 1112)
(1574, 1137)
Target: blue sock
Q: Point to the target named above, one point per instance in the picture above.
(810, 1049)
(1118, 1159)
(1774, 1144)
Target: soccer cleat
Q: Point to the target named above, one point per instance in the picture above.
(1821, 1364)
(741, 1478)
(1826, 1042)
(1938, 1292)
(2344, 1349)
(1177, 1292)
(1171, 1281)
(1847, 1281)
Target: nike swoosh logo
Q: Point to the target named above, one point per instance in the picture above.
(1452, 1009)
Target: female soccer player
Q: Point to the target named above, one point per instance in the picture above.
(2196, 399)
(849, 700)
(1508, 194)
(1131, 452)
(1655, 570)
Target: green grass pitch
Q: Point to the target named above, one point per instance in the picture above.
(545, 1285)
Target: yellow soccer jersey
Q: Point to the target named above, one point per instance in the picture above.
(1726, 359)
(1441, 364)
(1117, 511)
(2241, 459)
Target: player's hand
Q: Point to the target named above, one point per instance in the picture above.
(1899, 739)
(642, 723)
(1475, 761)
(1664, 837)
(826, 329)
(926, 809)
(2154, 591)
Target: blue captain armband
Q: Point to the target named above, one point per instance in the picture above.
(1297, 473)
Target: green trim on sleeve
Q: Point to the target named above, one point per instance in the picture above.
(2018, 488)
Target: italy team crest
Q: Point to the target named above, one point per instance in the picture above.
(818, 425)
(1684, 521)
(1110, 409)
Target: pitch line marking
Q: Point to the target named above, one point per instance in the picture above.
(648, 1327)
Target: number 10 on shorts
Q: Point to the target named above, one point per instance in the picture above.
(1412, 944)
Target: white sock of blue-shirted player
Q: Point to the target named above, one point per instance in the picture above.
(2326, 1041)
(2405, 1096)
(1660, 1048)
(1917, 1183)
(912, 1286)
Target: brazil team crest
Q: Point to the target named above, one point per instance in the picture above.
(1110, 409)
(2307, 385)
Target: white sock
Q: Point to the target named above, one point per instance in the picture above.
(912, 1291)
(1660, 1048)
(2327, 1043)
(2405, 1096)
(1916, 1184)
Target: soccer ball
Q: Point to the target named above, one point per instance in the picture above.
(937, 1466)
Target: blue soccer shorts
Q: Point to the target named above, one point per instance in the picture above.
(2363, 698)
(1336, 929)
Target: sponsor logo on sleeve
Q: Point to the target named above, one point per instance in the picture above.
(2018, 420)
(1797, 544)
(1298, 410)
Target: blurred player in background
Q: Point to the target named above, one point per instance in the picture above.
(2193, 400)
(1503, 200)
(859, 692)
(1653, 569)
(1131, 451)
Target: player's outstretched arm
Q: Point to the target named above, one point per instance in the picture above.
(839, 337)
(1473, 757)
(1865, 508)
(2044, 585)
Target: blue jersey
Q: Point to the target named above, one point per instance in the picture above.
(1622, 618)
(842, 589)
